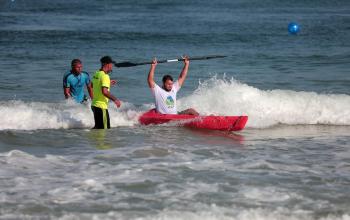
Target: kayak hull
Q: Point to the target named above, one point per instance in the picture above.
(211, 122)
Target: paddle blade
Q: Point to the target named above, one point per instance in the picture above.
(125, 64)
(207, 57)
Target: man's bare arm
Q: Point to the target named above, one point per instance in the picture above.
(150, 78)
(67, 94)
(184, 71)
(106, 93)
(90, 91)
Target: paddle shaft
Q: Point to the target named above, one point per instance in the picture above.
(129, 64)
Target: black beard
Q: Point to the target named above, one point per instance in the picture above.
(166, 89)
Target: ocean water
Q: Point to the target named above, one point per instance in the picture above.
(292, 161)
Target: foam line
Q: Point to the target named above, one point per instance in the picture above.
(215, 96)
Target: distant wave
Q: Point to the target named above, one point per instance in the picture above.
(217, 96)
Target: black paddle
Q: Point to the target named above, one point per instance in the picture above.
(129, 64)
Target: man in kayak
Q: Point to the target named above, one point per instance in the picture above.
(74, 82)
(101, 84)
(165, 96)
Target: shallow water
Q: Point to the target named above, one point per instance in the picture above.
(289, 172)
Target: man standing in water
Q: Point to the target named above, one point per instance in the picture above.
(101, 84)
(74, 81)
(165, 97)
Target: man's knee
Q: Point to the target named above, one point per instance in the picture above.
(189, 111)
(193, 112)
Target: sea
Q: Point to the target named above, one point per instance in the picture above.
(291, 162)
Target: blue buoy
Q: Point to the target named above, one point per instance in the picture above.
(293, 28)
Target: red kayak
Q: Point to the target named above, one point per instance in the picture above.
(222, 123)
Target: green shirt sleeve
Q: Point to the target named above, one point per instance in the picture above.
(105, 81)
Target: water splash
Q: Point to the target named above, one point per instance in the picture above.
(268, 107)
(218, 96)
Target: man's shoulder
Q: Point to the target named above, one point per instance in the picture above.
(85, 73)
(69, 76)
(104, 75)
(156, 87)
(176, 86)
(100, 76)
(98, 73)
(66, 74)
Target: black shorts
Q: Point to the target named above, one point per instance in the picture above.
(101, 117)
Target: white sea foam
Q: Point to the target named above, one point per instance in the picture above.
(215, 96)
(44, 181)
(268, 107)
(19, 115)
(268, 194)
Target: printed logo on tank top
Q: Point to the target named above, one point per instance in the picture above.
(169, 102)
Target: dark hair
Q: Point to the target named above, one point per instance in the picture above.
(106, 60)
(75, 61)
(167, 77)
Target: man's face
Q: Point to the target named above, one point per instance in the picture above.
(168, 85)
(77, 68)
(109, 67)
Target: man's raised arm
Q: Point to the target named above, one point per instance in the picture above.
(184, 71)
(150, 79)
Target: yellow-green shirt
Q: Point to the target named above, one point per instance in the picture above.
(99, 80)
